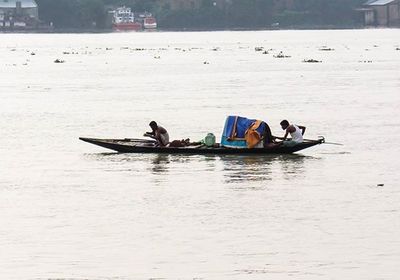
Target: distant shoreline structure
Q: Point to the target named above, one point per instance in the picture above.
(124, 19)
(43, 16)
(110, 30)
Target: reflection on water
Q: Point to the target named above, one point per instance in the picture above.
(159, 164)
(233, 168)
(292, 165)
(247, 168)
(260, 168)
(110, 157)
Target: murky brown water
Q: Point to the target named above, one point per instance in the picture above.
(70, 210)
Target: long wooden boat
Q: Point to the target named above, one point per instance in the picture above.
(147, 146)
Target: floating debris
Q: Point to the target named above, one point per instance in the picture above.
(326, 49)
(65, 52)
(312, 61)
(206, 62)
(397, 49)
(259, 49)
(108, 49)
(265, 52)
(380, 185)
(32, 53)
(281, 55)
(59, 61)
(157, 57)
(215, 49)
(365, 61)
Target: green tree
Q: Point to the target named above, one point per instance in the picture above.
(232, 14)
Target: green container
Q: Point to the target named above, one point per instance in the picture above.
(209, 141)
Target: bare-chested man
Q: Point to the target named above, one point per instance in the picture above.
(158, 133)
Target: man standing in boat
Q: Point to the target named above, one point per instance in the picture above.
(296, 132)
(158, 133)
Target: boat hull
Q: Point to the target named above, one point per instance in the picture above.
(131, 26)
(145, 146)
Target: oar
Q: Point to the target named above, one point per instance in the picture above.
(330, 143)
(139, 140)
(323, 141)
(311, 140)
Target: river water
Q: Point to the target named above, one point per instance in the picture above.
(70, 210)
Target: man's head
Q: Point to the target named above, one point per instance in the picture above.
(284, 124)
(153, 125)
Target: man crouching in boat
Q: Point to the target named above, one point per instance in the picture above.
(296, 132)
(158, 133)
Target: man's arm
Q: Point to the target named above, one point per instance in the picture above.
(286, 135)
(150, 134)
(290, 129)
(303, 129)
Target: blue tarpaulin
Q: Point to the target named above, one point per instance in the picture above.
(235, 129)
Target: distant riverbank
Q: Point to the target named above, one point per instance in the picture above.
(108, 30)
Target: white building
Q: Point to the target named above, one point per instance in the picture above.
(18, 13)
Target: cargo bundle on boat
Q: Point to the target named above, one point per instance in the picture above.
(240, 132)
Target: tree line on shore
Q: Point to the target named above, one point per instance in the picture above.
(207, 15)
